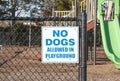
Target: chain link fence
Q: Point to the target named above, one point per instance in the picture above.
(20, 51)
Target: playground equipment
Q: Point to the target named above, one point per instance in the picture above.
(109, 21)
(108, 15)
(66, 13)
(90, 7)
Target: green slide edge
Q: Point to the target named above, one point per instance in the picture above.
(110, 31)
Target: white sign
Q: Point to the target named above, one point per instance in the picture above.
(60, 44)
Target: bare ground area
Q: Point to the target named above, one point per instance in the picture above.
(23, 64)
(103, 72)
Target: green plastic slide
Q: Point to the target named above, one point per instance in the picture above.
(110, 31)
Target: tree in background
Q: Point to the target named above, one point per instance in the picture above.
(63, 5)
(4, 8)
(25, 7)
(67, 5)
(33, 7)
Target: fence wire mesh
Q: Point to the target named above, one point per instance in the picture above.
(20, 51)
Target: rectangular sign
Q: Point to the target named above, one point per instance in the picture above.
(60, 44)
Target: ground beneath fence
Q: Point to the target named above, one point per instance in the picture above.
(104, 70)
(28, 63)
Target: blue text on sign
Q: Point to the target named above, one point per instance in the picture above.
(57, 41)
(59, 33)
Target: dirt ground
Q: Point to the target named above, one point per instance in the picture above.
(26, 64)
(104, 70)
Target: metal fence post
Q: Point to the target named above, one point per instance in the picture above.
(84, 46)
(95, 30)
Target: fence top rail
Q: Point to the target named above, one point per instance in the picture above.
(42, 18)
